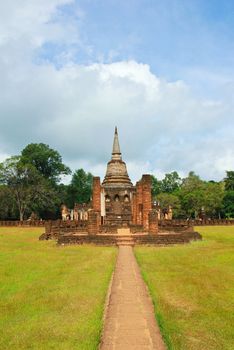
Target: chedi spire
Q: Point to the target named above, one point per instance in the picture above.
(116, 154)
(116, 172)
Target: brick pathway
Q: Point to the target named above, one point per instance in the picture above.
(130, 323)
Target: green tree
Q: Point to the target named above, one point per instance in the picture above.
(7, 204)
(80, 189)
(228, 204)
(213, 198)
(191, 195)
(228, 200)
(229, 181)
(171, 182)
(167, 199)
(47, 161)
(27, 186)
(156, 186)
(198, 196)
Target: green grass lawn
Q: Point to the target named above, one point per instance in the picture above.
(51, 297)
(192, 287)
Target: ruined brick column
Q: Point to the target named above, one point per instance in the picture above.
(146, 199)
(93, 223)
(139, 203)
(153, 222)
(96, 194)
(97, 197)
(134, 208)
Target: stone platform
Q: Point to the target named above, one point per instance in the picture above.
(130, 239)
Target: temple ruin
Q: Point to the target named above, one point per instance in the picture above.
(119, 211)
(116, 200)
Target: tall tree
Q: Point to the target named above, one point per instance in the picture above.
(7, 204)
(80, 188)
(200, 197)
(47, 161)
(228, 204)
(156, 186)
(171, 182)
(191, 195)
(26, 185)
(229, 181)
(213, 193)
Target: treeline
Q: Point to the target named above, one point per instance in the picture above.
(32, 183)
(193, 197)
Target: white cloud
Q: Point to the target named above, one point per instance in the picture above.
(26, 27)
(29, 20)
(163, 126)
(75, 109)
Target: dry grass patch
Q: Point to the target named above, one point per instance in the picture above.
(51, 297)
(193, 291)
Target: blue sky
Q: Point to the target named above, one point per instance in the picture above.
(163, 71)
(171, 36)
(191, 41)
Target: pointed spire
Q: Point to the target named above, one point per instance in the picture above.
(116, 154)
(116, 172)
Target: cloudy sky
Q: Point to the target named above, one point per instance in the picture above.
(162, 71)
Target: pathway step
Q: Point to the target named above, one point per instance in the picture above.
(125, 240)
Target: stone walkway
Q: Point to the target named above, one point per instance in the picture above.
(130, 323)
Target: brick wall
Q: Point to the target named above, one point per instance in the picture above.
(96, 194)
(139, 203)
(159, 240)
(153, 222)
(146, 199)
(178, 222)
(93, 222)
(25, 223)
(142, 202)
(134, 208)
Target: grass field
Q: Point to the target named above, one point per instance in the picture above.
(192, 287)
(51, 297)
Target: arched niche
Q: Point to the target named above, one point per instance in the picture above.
(107, 198)
(126, 198)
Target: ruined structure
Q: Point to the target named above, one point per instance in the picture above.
(117, 200)
(119, 211)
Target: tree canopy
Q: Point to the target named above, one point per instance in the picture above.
(195, 197)
(47, 161)
(30, 181)
(80, 189)
(26, 185)
(229, 181)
